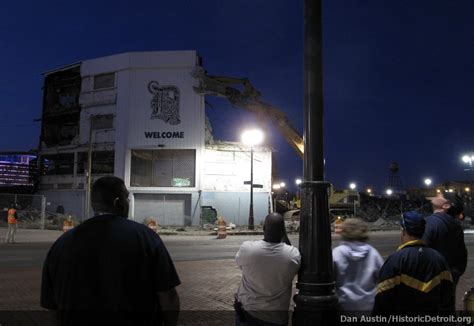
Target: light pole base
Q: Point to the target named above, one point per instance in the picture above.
(312, 310)
(316, 301)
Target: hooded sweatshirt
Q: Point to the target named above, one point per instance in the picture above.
(356, 266)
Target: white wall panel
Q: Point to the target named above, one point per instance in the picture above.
(226, 169)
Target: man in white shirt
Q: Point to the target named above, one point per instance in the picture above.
(268, 269)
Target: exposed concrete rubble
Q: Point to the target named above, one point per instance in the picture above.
(61, 111)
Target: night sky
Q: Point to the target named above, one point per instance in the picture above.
(398, 74)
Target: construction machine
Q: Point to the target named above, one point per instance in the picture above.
(248, 99)
(242, 94)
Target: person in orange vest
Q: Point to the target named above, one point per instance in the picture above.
(12, 224)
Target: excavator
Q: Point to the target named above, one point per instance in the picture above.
(242, 94)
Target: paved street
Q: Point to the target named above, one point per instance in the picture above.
(205, 265)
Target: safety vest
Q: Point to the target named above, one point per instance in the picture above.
(11, 216)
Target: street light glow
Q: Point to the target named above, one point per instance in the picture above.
(467, 159)
(389, 192)
(352, 185)
(467, 189)
(298, 182)
(369, 191)
(276, 186)
(428, 181)
(282, 184)
(252, 137)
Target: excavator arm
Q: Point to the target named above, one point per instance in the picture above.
(248, 99)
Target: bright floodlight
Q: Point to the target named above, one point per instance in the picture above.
(252, 137)
(389, 192)
(466, 159)
(276, 186)
(352, 186)
(298, 181)
(428, 181)
(282, 184)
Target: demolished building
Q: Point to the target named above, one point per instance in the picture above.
(139, 116)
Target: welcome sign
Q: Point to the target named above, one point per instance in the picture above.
(164, 110)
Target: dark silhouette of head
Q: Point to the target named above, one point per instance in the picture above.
(274, 228)
(109, 195)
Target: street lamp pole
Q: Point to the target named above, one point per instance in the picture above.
(89, 171)
(316, 300)
(252, 138)
(469, 159)
(251, 217)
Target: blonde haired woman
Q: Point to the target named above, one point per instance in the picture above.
(356, 266)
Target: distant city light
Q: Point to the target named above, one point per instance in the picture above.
(451, 190)
(467, 189)
(428, 181)
(389, 192)
(369, 191)
(282, 184)
(276, 186)
(352, 185)
(438, 191)
(298, 181)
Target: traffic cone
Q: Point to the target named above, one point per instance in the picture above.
(68, 224)
(337, 225)
(152, 224)
(221, 230)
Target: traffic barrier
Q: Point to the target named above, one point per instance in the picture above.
(337, 225)
(152, 225)
(221, 229)
(68, 224)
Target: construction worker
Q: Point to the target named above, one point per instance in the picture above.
(12, 224)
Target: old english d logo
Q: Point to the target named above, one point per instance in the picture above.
(165, 103)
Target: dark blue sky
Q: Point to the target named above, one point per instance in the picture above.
(398, 74)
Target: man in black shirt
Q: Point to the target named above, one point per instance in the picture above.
(110, 270)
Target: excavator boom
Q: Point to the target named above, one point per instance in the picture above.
(248, 99)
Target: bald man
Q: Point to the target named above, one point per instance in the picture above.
(268, 269)
(110, 270)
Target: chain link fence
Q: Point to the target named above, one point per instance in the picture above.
(32, 212)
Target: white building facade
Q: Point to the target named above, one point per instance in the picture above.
(146, 125)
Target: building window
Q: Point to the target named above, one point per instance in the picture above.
(163, 168)
(104, 81)
(57, 164)
(102, 162)
(103, 121)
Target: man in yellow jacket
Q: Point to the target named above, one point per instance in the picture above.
(12, 224)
